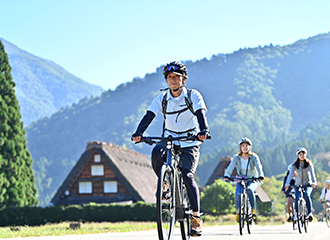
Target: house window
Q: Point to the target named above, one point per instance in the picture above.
(110, 187)
(85, 187)
(97, 170)
(97, 158)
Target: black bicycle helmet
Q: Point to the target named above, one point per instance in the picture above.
(176, 67)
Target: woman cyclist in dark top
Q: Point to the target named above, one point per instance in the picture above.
(305, 176)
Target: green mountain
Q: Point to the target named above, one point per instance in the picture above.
(267, 93)
(43, 87)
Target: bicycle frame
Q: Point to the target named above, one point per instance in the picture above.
(245, 214)
(302, 220)
(179, 210)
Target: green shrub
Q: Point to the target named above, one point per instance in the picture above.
(92, 212)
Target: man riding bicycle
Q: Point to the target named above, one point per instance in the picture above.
(325, 195)
(247, 164)
(184, 113)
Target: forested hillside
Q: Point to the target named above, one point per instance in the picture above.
(43, 87)
(267, 93)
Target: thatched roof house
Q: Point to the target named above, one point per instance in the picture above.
(106, 173)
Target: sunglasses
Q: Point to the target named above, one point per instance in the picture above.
(172, 68)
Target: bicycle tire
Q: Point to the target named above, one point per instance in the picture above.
(293, 212)
(327, 217)
(185, 224)
(300, 215)
(305, 219)
(248, 215)
(165, 204)
(185, 228)
(241, 215)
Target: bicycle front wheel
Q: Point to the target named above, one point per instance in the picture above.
(327, 217)
(248, 216)
(185, 224)
(185, 227)
(300, 220)
(165, 203)
(305, 218)
(293, 213)
(241, 214)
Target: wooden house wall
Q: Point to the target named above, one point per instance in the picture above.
(97, 181)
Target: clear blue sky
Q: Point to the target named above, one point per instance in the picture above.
(109, 42)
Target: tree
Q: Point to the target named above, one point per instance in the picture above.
(218, 198)
(273, 189)
(17, 187)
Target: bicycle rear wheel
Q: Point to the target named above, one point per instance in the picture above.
(241, 214)
(165, 203)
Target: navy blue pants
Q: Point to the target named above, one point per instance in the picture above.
(189, 158)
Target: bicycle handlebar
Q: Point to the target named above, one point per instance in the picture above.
(150, 140)
(240, 178)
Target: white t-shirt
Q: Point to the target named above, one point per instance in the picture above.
(244, 163)
(179, 122)
(327, 195)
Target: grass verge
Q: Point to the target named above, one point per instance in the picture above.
(105, 227)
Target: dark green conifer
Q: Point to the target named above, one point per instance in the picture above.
(17, 182)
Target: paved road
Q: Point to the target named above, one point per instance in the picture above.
(317, 231)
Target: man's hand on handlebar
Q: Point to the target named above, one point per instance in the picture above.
(202, 135)
(136, 137)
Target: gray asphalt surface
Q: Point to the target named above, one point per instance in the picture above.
(316, 231)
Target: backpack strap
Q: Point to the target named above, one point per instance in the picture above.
(164, 104)
(187, 101)
(164, 107)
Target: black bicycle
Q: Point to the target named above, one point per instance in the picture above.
(302, 219)
(245, 211)
(172, 202)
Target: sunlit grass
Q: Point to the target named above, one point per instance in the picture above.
(105, 227)
(64, 229)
